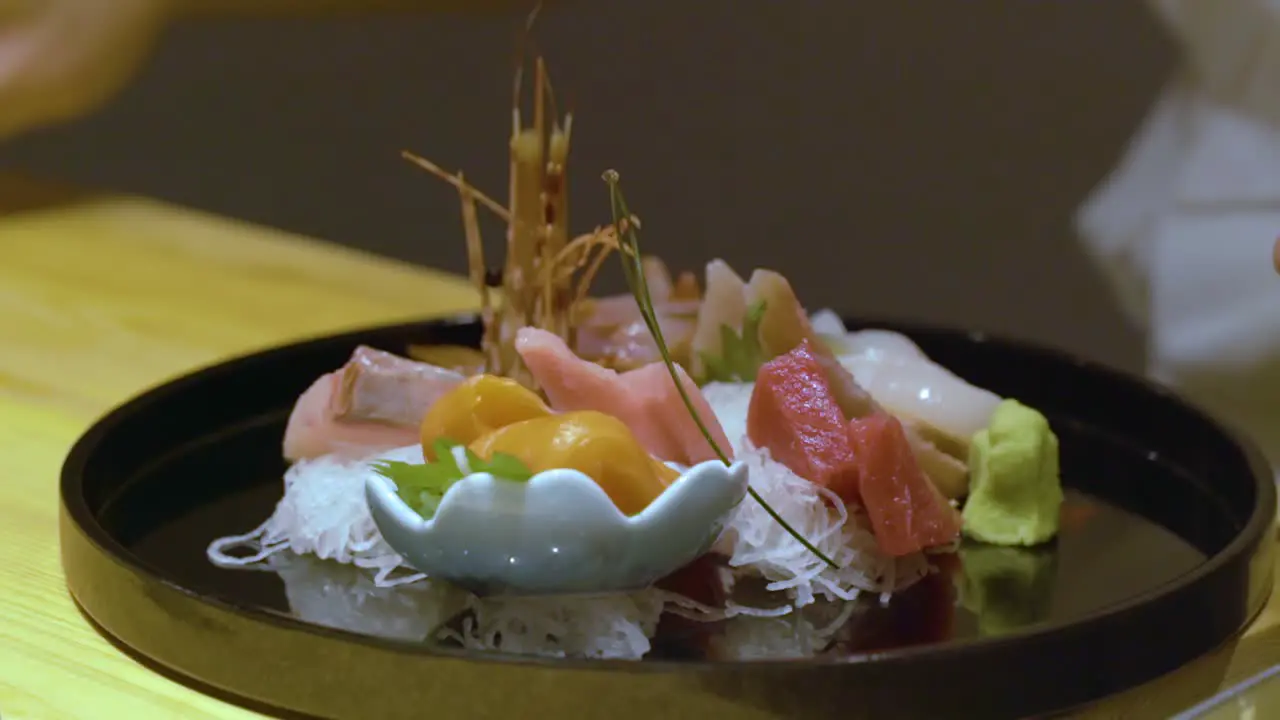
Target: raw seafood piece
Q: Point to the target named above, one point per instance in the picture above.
(475, 408)
(943, 456)
(631, 346)
(377, 386)
(947, 472)
(743, 325)
(854, 401)
(371, 404)
(907, 512)
(785, 324)
(919, 389)
(618, 310)
(726, 303)
(882, 342)
(858, 342)
(612, 330)
(461, 359)
(312, 431)
(723, 306)
(645, 399)
(597, 445)
(794, 415)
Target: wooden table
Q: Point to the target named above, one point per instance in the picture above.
(101, 297)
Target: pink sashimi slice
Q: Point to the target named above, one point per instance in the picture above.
(312, 430)
(632, 346)
(377, 386)
(629, 346)
(373, 403)
(616, 310)
(645, 399)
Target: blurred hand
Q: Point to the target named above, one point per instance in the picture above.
(1275, 255)
(60, 59)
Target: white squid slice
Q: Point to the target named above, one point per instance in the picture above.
(902, 379)
(881, 343)
(916, 388)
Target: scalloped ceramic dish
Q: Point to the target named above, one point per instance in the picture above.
(558, 533)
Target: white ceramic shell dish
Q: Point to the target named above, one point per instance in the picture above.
(557, 533)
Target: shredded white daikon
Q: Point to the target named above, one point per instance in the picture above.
(324, 513)
(755, 542)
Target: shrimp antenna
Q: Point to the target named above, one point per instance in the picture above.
(527, 48)
(532, 18)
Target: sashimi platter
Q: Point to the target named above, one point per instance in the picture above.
(694, 499)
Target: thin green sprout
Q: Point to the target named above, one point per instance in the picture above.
(625, 225)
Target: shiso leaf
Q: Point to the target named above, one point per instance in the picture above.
(629, 244)
(422, 486)
(507, 467)
(741, 354)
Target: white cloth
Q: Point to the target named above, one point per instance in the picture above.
(1184, 226)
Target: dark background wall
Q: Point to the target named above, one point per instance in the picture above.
(910, 158)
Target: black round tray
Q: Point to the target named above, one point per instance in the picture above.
(1173, 560)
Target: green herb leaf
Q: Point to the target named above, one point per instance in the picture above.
(422, 487)
(741, 355)
(507, 467)
(629, 241)
(443, 448)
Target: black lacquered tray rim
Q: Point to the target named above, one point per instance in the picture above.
(1240, 550)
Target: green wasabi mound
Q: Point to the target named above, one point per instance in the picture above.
(1015, 490)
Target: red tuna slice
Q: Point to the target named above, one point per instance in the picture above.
(907, 512)
(794, 414)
